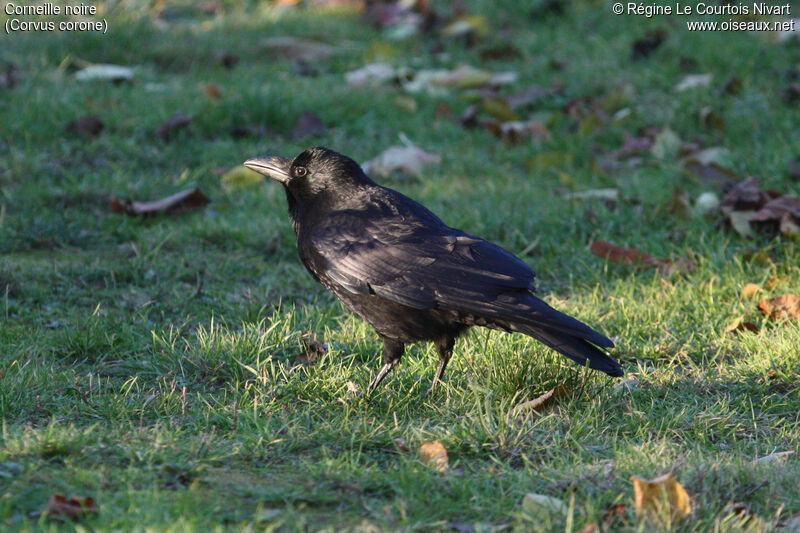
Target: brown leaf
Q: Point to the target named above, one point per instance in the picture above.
(651, 494)
(739, 325)
(786, 306)
(615, 511)
(745, 196)
(546, 400)
(87, 126)
(648, 44)
(620, 254)
(313, 351)
(176, 122)
(434, 455)
(749, 290)
(779, 214)
(179, 202)
(211, 91)
(73, 507)
(308, 125)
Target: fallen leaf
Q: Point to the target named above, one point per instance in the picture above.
(87, 126)
(406, 103)
(469, 26)
(537, 504)
(297, 49)
(749, 290)
(308, 125)
(620, 254)
(532, 95)
(745, 196)
(710, 119)
(74, 507)
(773, 457)
(241, 177)
(499, 108)
(648, 44)
(665, 144)
(593, 194)
(115, 73)
(590, 528)
(546, 400)
(633, 145)
(626, 385)
(615, 511)
(409, 160)
(651, 494)
(372, 74)
(462, 77)
(516, 131)
(739, 325)
(783, 307)
(180, 202)
(313, 351)
(176, 122)
(693, 81)
(353, 389)
(434, 455)
(779, 214)
(211, 91)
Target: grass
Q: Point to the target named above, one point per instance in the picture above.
(150, 363)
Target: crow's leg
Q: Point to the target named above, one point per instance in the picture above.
(444, 346)
(392, 352)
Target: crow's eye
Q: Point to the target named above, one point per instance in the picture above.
(300, 171)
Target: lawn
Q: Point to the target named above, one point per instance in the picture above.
(187, 374)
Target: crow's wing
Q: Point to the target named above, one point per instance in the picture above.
(424, 264)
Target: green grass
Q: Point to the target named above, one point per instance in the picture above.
(150, 363)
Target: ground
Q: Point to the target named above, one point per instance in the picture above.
(166, 366)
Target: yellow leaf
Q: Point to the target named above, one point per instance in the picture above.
(650, 494)
(749, 290)
(434, 455)
(241, 178)
(548, 399)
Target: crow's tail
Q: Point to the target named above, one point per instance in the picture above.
(576, 348)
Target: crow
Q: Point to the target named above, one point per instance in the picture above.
(395, 264)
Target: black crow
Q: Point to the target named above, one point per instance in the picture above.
(409, 275)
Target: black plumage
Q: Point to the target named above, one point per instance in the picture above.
(410, 276)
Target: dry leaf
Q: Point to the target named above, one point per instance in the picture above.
(615, 511)
(739, 325)
(73, 507)
(749, 290)
(409, 160)
(313, 351)
(211, 91)
(179, 202)
(104, 72)
(536, 504)
(665, 144)
(626, 385)
(176, 122)
(786, 306)
(297, 49)
(434, 455)
(546, 400)
(745, 196)
(308, 125)
(88, 126)
(651, 494)
(372, 74)
(773, 457)
(593, 194)
(620, 254)
(779, 214)
(693, 81)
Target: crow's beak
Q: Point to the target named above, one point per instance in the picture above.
(273, 167)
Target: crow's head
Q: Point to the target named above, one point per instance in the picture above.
(317, 171)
